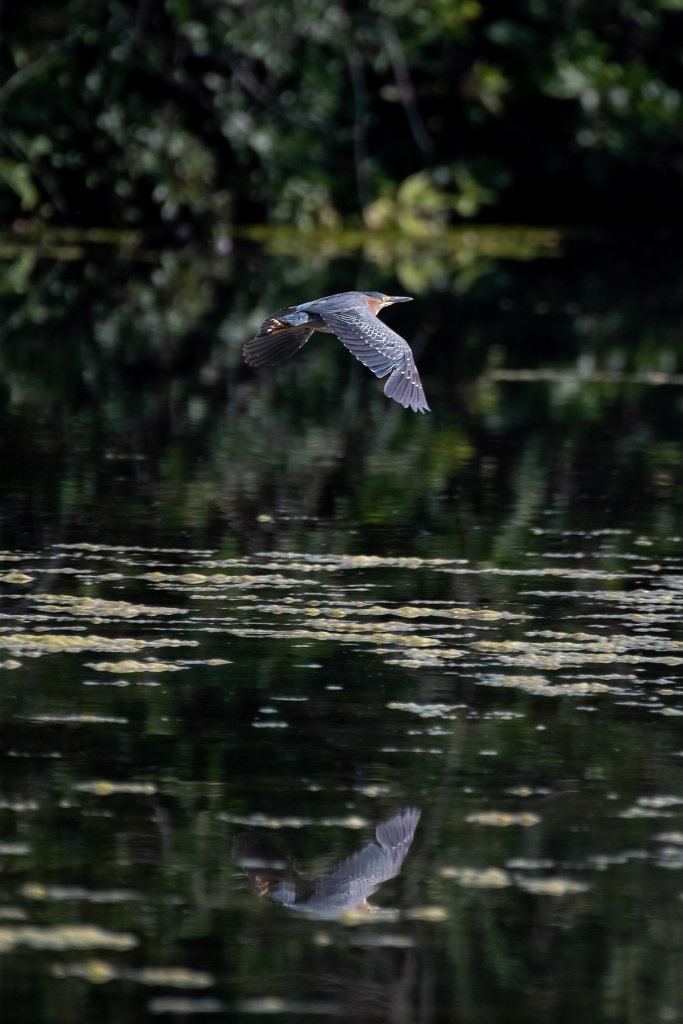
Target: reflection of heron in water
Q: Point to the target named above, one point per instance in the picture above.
(347, 887)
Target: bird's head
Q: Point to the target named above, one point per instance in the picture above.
(378, 300)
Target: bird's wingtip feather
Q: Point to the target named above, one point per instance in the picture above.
(407, 391)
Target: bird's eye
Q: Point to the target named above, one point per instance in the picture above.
(385, 298)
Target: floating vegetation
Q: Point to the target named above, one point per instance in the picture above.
(78, 718)
(499, 878)
(478, 878)
(541, 687)
(264, 821)
(99, 972)
(100, 787)
(528, 791)
(270, 1005)
(426, 710)
(427, 913)
(559, 654)
(657, 803)
(652, 807)
(528, 864)
(148, 665)
(323, 609)
(330, 631)
(67, 893)
(670, 837)
(16, 577)
(36, 644)
(360, 608)
(242, 622)
(222, 580)
(552, 886)
(99, 608)
(63, 937)
(502, 819)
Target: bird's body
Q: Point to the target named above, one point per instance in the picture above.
(352, 316)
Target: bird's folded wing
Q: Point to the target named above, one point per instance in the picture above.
(367, 338)
(271, 348)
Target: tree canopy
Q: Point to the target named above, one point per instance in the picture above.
(173, 114)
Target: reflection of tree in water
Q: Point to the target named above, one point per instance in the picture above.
(137, 369)
(346, 888)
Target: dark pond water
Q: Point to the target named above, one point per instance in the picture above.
(269, 643)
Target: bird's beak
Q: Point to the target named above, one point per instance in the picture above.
(400, 298)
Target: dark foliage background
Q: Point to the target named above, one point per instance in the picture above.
(317, 113)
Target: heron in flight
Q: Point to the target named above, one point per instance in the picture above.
(344, 889)
(352, 316)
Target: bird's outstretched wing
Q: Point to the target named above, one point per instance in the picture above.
(359, 875)
(276, 348)
(383, 351)
(279, 337)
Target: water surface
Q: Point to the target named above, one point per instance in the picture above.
(268, 613)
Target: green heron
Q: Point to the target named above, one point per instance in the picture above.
(347, 887)
(352, 316)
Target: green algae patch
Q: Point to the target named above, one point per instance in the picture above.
(130, 665)
(425, 710)
(78, 718)
(331, 562)
(541, 687)
(97, 607)
(351, 821)
(427, 913)
(560, 654)
(37, 644)
(478, 878)
(556, 886)
(102, 787)
(189, 580)
(99, 972)
(63, 937)
(415, 661)
(332, 632)
(503, 819)
(65, 893)
(368, 610)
